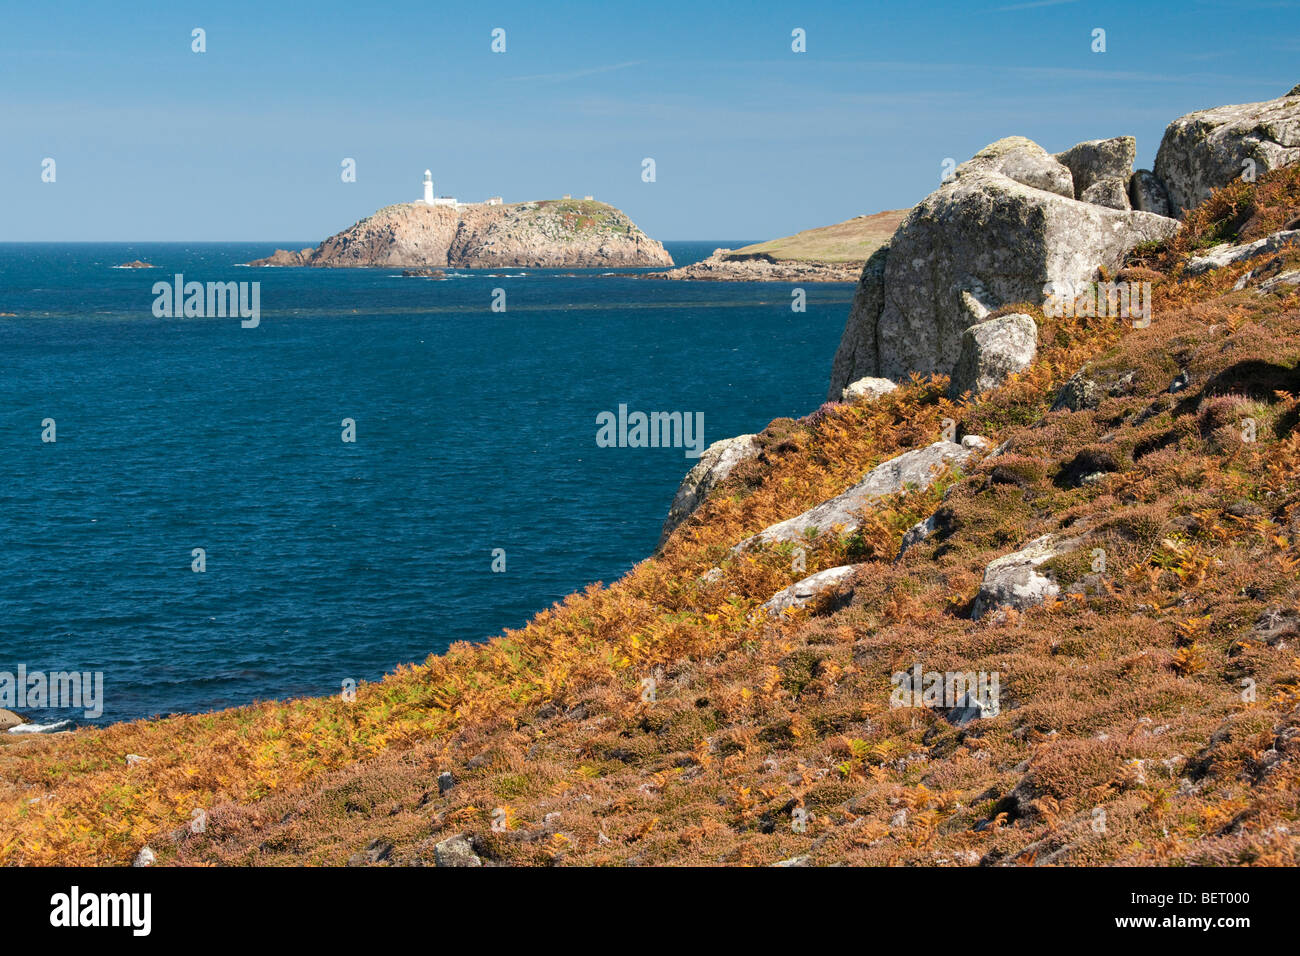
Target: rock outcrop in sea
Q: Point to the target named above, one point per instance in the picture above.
(548, 234)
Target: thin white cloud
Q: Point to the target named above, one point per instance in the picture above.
(574, 74)
(1030, 6)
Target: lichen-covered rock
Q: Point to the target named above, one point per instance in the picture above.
(1086, 388)
(1079, 392)
(916, 469)
(1111, 193)
(1146, 193)
(801, 593)
(1097, 160)
(1281, 281)
(993, 349)
(867, 388)
(1026, 162)
(1224, 254)
(717, 462)
(1207, 149)
(980, 230)
(456, 851)
(1013, 581)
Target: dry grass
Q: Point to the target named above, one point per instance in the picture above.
(853, 240)
(1124, 734)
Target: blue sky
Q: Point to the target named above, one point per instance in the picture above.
(750, 140)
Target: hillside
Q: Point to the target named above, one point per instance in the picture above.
(552, 233)
(853, 240)
(832, 253)
(1112, 529)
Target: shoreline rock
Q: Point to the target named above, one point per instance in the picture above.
(723, 266)
(717, 462)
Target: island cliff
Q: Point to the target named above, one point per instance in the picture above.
(550, 233)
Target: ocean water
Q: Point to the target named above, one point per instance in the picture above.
(326, 560)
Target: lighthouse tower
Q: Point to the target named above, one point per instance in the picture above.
(428, 187)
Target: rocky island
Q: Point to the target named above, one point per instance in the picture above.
(545, 234)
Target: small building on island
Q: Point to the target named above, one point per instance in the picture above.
(429, 199)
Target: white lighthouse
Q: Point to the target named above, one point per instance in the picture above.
(428, 187)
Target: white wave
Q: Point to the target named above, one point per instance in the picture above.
(39, 728)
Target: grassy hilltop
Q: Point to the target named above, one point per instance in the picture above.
(853, 240)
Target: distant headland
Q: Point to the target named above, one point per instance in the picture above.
(440, 231)
(834, 253)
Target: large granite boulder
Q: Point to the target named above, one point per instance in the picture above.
(1111, 193)
(914, 469)
(8, 720)
(1024, 161)
(857, 356)
(993, 349)
(1206, 150)
(456, 851)
(1100, 161)
(981, 240)
(717, 462)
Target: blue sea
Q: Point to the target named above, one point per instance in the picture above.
(327, 560)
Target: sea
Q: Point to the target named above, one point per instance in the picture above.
(183, 518)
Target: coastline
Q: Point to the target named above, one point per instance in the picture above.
(725, 266)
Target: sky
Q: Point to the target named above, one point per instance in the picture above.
(750, 139)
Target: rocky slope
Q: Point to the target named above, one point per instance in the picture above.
(832, 253)
(1015, 223)
(563, 233)
(1107, 525)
